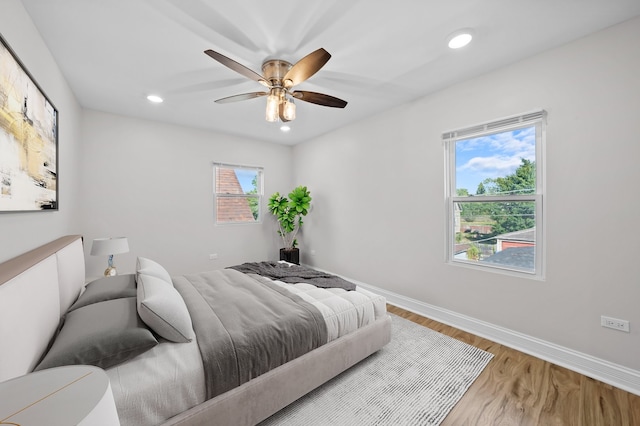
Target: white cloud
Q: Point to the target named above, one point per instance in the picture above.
(496, 165)
(499, 154)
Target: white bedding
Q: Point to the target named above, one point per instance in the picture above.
(158, 384)
(169, 378)
(343, 311)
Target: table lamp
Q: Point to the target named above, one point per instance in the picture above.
(109, 247)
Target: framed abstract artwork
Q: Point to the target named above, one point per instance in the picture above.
(28, 140)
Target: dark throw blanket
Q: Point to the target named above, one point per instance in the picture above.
(245, 327)
(294, 274)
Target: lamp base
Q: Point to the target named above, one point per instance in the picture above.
(110, 271)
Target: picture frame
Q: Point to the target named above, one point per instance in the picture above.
(28, 140)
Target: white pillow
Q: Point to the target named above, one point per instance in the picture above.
(149, 267)
(162, 308)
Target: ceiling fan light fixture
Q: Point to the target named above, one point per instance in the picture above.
(279, 77)
(273, 102)
(289, 110)
(460, 38)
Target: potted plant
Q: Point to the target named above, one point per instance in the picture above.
(289, 213)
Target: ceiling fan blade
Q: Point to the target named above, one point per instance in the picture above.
(319, 99)
(237, 67)
(242, 97)
(306, 67)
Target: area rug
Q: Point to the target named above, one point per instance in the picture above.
(415, 380)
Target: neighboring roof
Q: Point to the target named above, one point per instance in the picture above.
(523, 235)
(461, 248)
(519, 257)
(231, 209)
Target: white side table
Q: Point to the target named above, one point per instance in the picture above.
(70, 395)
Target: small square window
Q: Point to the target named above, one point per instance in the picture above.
(237, 193)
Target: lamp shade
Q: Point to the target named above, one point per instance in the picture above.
(109, 246)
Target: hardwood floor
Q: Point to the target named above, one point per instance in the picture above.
(519, 389)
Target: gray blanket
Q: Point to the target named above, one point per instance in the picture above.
(294, 274)
(245, 328)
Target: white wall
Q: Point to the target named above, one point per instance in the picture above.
(153, 183)
(20, 232)
(378, 188)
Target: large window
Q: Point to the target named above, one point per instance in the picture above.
(237, 193)
(494, 194)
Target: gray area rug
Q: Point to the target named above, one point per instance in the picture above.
(415, 380)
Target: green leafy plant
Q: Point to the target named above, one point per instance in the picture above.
(289, 213)
(473, 253)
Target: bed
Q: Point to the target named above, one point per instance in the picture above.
(172, 382)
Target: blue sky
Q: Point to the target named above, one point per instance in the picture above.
(245, 177)
(492, 156)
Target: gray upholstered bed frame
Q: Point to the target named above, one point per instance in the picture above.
(37, 287)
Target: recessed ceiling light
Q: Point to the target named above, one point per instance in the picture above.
(155, 99)
(285, 128)
(460, 38)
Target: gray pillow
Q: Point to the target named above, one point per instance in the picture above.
(107, 288)
(162, 308)
(149, 267)
(102, 334)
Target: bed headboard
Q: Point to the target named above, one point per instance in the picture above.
(36, 289)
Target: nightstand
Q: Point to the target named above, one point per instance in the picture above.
(70, 395)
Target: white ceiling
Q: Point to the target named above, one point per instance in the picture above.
(384, 53)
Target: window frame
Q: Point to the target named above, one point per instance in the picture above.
(259, 195)
(535, 119)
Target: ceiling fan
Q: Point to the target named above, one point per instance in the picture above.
(279, 77)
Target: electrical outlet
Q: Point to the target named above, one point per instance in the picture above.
(616, 324)
(213, 256)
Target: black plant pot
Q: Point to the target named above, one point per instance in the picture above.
(290, 255)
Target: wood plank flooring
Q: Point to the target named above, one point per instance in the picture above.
(519, 389)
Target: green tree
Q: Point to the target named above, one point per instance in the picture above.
(489, 186)
(470, 211)
(466, 211)
(523, 181)
(518, 215)
(253, 201)
(473, 253)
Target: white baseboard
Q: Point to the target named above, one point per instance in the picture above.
(596, 368)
